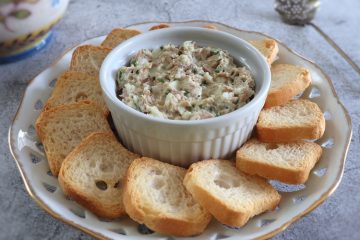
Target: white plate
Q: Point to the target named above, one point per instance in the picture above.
(296, 200)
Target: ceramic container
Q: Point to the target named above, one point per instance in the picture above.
(25, 26)
(182, 142)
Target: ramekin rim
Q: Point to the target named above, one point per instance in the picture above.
(258, 98)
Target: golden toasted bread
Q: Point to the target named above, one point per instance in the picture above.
(74, 87)
(117, 36)
(268, 47)
(231, 196)
(88, 59)
(62, 128)
(296, 120)
(155, 196)
(286, 162)
(92, 174)
(287, 81)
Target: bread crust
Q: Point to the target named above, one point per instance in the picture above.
(289, 134)
(60, 108)
(89, 203)
(268, 47)
(284, 174)
(62, 85)
(55, 161)
(286, 133)
(272, 44)
(75, 64)
(117, 36)
(159, 223)
(94, 204)
(159, 26)
(285, 93)
(219, 209)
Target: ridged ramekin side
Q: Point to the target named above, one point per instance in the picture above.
(220, 142)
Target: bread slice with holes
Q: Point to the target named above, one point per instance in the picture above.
(287, 81)
(231, 196)
(117, 36)
(88, 59)
(92, 174)
(154, 195)
(62, 128)
(74, 87)
(289, 162)
(268, 47)
(296, 120)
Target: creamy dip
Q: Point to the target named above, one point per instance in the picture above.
(186, 82)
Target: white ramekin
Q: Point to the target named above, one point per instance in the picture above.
(182, 142)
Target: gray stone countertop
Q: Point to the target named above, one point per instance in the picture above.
(337, 218)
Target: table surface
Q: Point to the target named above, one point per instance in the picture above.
(337, 218)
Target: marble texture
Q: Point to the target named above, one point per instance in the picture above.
(337, 218)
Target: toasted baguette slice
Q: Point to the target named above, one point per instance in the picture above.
(61, 128)
(296, 120)
(231, 196)
(88, 59)
(287, 81)
(268, 47)
(74, 87)
(159, 26)
(154, 195)
(288, 163)
(93, 172)
(117, 36)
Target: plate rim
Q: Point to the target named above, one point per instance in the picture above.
(274, 232)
